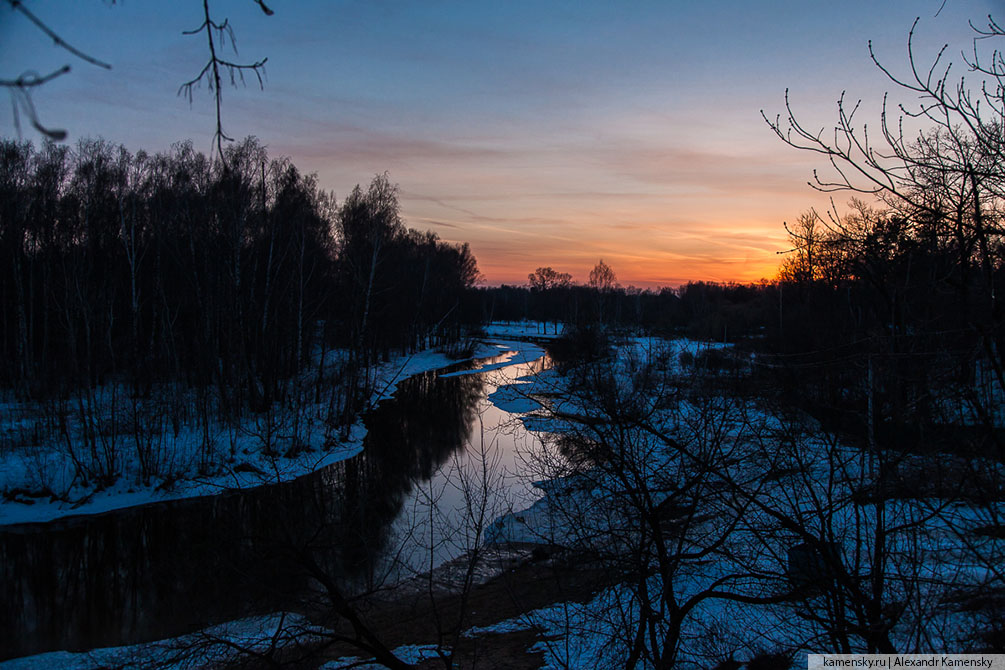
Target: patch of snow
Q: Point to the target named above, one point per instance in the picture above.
(513, 625)
(514, 353)
(514, 400)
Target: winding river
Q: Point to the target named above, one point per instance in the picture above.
(439, 459)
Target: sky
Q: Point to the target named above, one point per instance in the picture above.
(543, 133)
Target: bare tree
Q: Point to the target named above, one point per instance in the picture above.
(602, 277)
(937, 166)
(603, 281)
(547, 284)
(546, 278)
(644, 480)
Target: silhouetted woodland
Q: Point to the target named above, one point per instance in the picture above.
(895, 303)
(227, 275)
(901, 306)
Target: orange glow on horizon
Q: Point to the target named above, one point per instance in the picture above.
(666, 253)
(652, 274)
(658, 218)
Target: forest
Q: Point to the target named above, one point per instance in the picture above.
(159, 290)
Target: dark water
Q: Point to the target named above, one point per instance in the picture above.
(159, 570)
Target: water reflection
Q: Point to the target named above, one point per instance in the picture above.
(159, 570)
(445, 514)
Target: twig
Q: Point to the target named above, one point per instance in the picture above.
(211, 70)
(57, 40)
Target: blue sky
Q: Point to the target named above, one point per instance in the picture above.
(543, 133)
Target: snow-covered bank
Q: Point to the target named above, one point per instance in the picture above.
(748, 497)
(246, 466)
(406, 653)
(518, 353)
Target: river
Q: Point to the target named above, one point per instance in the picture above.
(439, 459)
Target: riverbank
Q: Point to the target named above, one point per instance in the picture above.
(38, 484)
(472, 376)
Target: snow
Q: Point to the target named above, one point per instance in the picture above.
(512, 399)
(804, 475)
(814, 480)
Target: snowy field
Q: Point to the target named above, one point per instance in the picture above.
(518, 329)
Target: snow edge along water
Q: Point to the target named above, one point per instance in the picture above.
(499, 339)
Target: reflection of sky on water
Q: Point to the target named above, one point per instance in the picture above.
(487, 478)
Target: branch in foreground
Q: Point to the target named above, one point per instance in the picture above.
(211, 70)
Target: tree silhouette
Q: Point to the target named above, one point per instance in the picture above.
(546, 278)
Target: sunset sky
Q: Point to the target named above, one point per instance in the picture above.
(542, 133)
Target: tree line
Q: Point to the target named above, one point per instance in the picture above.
(229, 275)
(698, 309)
(896, 299)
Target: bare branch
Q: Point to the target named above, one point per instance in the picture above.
(33, 79)
(18, 6)
(21, 101)
(211, 71)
